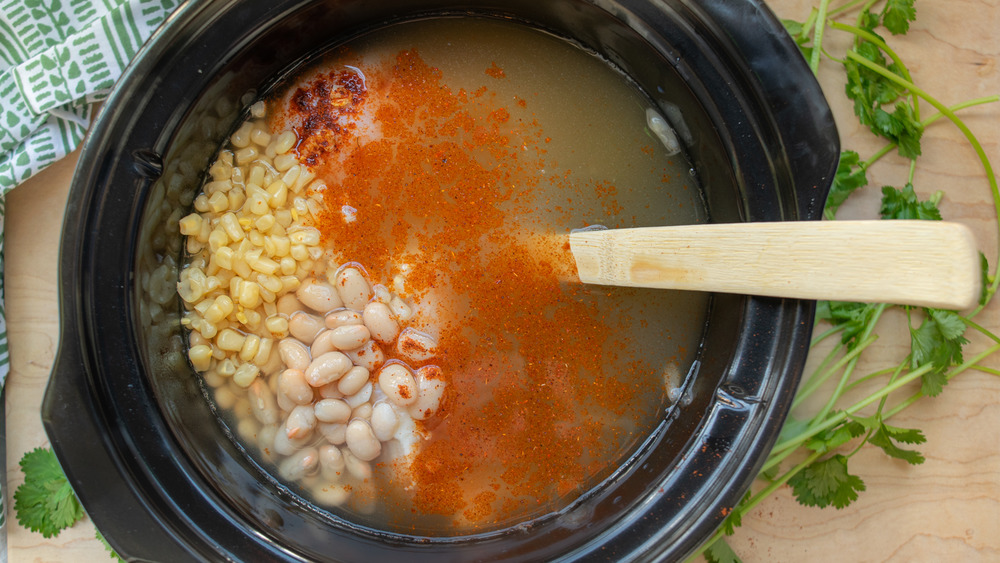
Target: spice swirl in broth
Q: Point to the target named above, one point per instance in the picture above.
(446, 154)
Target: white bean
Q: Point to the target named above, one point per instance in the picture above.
(225, 398)
(362, 441)
(332, 410)
(360, 397)
(247, 429)
(262, 402)
(322, 344)
(354, 289)
(288, 304)
(360, 469)
(318, 295)
(397, 382)
(415, 346)
(335, 433)
(431, 385)
(300, 464)
(384, 421)
(399, 308)
(364, 410)
(349, 337)
(293, 385)
(300, 422)
(343, 317)
(265, 439)
(305, 327)
(330, 494)
(284, 403)
(370, 356)
(378, 318)
(327, 368)
(331, 462)
(331, 391)
(353, 380)
(294, 354)
(283, 445)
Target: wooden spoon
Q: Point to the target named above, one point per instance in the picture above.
(927, 263)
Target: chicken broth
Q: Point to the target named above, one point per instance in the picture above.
(445, 158)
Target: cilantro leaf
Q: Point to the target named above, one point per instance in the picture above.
(870, 91)
(45, 502)
(904, 204)
(938, 341)
(852, 317)
(835, 437)
(886, 436)
(826, 482)
(849, 177)
(797, 31)
(735, 516)
(897, 16)
(113, 554)
(720, 552)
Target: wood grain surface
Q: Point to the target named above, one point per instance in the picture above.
(947, 509)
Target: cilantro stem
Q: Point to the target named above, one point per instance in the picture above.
(972, 362)
(985, 369)
(818, 35)
(816, 382)
(987, 333)
(837, 11)
(849, 369)
(869, 377)
(828, 333)
(836, 418)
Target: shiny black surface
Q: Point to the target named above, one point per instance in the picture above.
(142, 447)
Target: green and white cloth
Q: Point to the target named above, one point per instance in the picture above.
(57, 58)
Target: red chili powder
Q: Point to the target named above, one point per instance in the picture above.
(523, 424)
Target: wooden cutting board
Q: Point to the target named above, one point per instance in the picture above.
(947, 509)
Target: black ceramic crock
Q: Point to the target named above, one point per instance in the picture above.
(160, 475)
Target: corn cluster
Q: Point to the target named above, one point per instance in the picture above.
(248, 244)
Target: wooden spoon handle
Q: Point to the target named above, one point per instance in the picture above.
(927, 263)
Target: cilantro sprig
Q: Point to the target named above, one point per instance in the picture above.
(45, 502)
(888, 102)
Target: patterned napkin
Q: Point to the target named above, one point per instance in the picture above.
(57, 58)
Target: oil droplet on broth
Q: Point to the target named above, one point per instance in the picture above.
(469, 151)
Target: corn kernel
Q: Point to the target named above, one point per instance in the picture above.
(229, 340)
(200, 356)
(264, 352)
(250, 346)
(217, 239)
(218, 202)
(191, 224)
(245, 375)
(226, 368)
(249, 294)
(285, 142)
(231, 225)
(277, 325)
(224, 257)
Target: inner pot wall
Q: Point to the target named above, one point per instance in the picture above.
(168, 485)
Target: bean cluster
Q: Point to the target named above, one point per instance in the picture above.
(314, 361)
